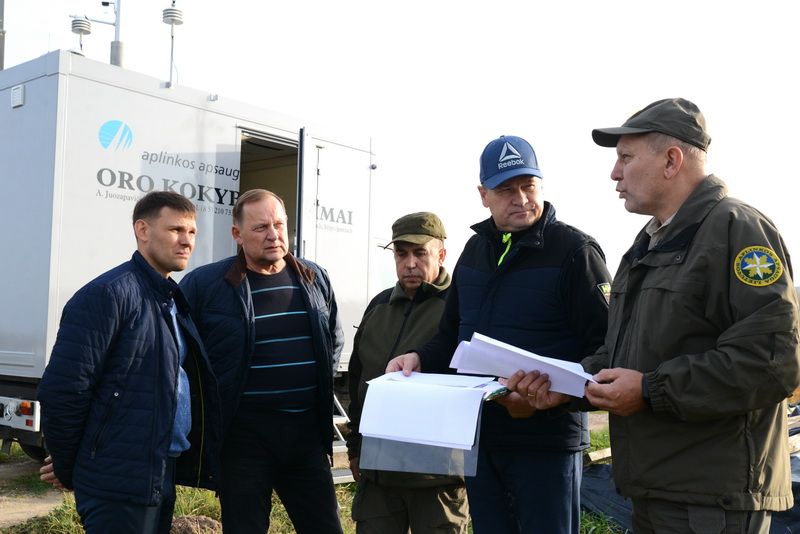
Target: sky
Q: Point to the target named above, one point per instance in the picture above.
(432, 82)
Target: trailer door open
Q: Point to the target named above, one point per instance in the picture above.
(270, 162)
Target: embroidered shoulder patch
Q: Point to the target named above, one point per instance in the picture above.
(605, 290)
(757, 266)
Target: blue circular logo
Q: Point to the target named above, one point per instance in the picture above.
(115, 134)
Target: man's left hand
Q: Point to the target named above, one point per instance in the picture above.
(517, 405)
(355, 469)
(619, 391)
(46, 474)
(535, 388)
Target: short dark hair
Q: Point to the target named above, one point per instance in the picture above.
(250, 196)
(149, 206)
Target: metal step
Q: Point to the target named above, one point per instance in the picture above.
(339, 417)
(342, 476)
(340, 459)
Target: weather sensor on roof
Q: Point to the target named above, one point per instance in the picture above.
(83, 26)
(174, 17)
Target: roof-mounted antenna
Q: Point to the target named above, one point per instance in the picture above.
(174, 17)
(83, 26)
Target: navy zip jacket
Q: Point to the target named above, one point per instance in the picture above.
(108, 394)
(548, 296)
(221, 304)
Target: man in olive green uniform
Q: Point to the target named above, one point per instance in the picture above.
(397, 320)
(702, 343)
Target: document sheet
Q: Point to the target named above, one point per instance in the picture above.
(423, 423)
(425, 408)
(483, 355)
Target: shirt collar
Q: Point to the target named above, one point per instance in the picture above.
(656, 230)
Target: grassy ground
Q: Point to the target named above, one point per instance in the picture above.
(190, 501)
(15, 454)
(24, 484)
(600, 439)
(64, 519)
(28, 484)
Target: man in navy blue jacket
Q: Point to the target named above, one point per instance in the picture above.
(532, 281)
(269, 321)
(129, 388)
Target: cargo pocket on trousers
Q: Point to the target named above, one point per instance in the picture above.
(706, 519)
(452, 512)
(373, 501)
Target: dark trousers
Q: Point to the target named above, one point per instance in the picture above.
(280, 452)
(524, 492)
(655, 516)
(379, 509)
(101, 516)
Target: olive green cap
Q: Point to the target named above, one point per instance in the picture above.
(417, 228)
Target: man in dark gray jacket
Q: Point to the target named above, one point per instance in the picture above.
(269, 322)
(702, 343)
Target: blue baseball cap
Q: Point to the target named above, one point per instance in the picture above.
(507, 157)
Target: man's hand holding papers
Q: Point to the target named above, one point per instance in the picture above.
(535, 388)
(407, 363)
(619, 391)
(518, 406)
(483, 355)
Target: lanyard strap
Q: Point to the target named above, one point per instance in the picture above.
(507, 241)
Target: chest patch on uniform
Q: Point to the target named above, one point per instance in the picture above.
(757, 266)
(605, 290)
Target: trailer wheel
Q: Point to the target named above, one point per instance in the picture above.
(34, 452)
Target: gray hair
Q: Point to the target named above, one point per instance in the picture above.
(657, 142)
(250, 196)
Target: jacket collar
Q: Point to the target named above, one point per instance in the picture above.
(165, 288)
(530, 237)
(237, 272)
(441, 283)
(680, 232)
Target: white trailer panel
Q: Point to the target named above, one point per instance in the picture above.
(81, 141)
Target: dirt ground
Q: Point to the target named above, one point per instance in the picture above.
(17, 507)
(598, 420)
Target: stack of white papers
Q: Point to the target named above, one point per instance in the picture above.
(429, 423)
(483, 355)
(425, 408)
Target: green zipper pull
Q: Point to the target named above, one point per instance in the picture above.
(507, 241)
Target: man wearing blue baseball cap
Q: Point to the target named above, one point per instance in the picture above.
(532, 281)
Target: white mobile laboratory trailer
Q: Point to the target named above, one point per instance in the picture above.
(81, 141)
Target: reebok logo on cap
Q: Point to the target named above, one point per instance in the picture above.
(509, 157)
(504, 155)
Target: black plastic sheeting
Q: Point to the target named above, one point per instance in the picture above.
(598, 495)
